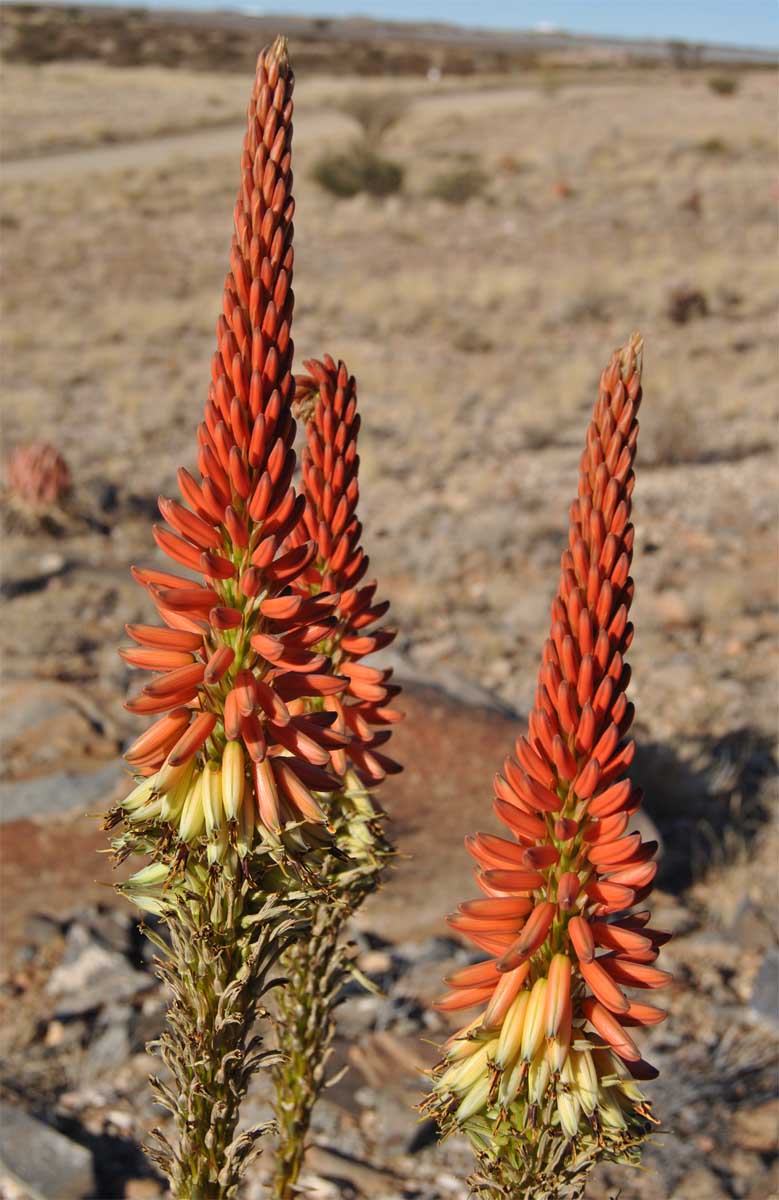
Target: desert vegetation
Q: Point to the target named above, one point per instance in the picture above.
(617, 195)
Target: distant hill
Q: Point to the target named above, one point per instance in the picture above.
(35, 33)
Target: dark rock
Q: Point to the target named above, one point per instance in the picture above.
(52, 1166)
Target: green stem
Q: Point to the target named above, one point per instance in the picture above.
(315, 969)
(225, 937)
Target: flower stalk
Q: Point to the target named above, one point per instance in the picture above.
(545, 1081)
(317, 966)
(245, 799)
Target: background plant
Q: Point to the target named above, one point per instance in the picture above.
(360, 167)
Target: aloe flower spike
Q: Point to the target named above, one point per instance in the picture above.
(545, 1080)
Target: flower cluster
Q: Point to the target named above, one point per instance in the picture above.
(326, 399)
(317, 966)
(551, 1053)
(269, 723)
(243, 674)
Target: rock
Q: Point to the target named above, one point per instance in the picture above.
(757, 1129)
(671, 916)
(642, 823)
(143, 1189)
(59, 793)
(765, 991)
(751, 929)
(431, 950)
(52, 1166)
(33, 575)
(111, 1046)
(375, 963)
(358, 1013)
(114, 928)
(402, 1014)
(334, 1166)
(52, 727)
(148, 1022)
(90, 976)
(700, 1184)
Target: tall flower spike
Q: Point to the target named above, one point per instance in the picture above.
(236, 657)
(327, 400)
(544, 1081)
(317, 966)
(232, 777)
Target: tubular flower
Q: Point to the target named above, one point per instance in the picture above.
(544, 1081)
(326, 399)
(236, 661)
(317, 966)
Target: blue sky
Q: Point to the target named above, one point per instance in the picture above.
(740, 22)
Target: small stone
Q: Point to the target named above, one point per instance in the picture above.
(375, 962)
(757, 1129)
(751, 929)
(700, 1184)
(65, 1033)
(43, 1159)
(765, 992)
(143, 1189)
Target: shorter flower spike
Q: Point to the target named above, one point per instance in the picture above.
(566, 948)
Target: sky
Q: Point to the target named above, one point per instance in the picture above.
(737, 22)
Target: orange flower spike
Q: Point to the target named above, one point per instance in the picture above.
(235, 647)
(326, 399)
(567, 965)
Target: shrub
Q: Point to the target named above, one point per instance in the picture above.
(459, 184)
(723, 85)
(346, 173)
(713, 146)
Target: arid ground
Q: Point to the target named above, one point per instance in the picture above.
(544, 214)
